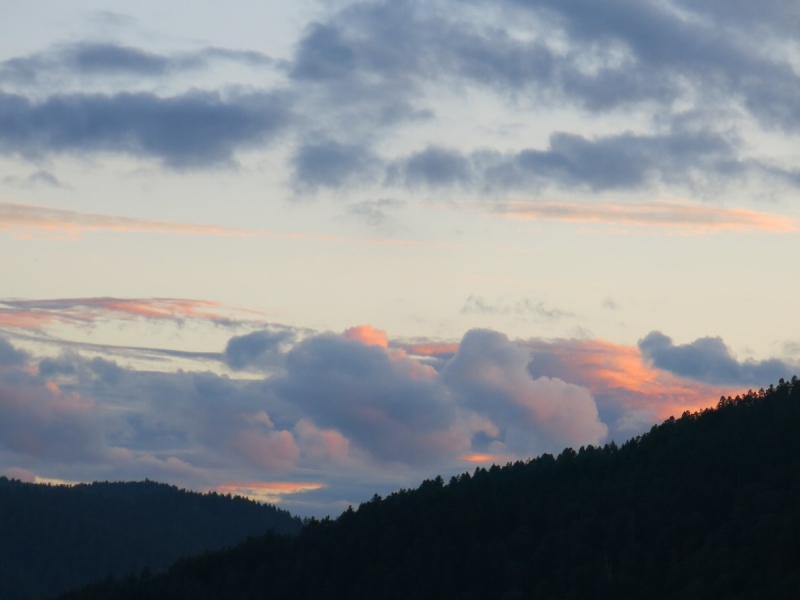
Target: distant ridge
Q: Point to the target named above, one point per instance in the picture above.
(55, 538)
(704, 506)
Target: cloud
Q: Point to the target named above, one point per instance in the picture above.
(332, 164)
(39, 313)
(631, 393)
(337, 417)
(489, 375)
(261, 349)
(674, 66)
(365, 69)
(25, 219)
(432, 167)
(103, 59)
(525, 307)
(710, 360)
(610, 304)
(681, 158)
(692, 218)
(392, 407)
(10, 356)
(40, 177)
(600, 56)
(191, 130)
(375, 212)
(367, 335)
(47, 423)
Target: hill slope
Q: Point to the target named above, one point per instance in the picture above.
(705, 506)
(54, 538)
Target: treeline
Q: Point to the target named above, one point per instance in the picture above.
(56, 538)
(704, 506)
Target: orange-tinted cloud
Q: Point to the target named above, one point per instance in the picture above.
(690, 218)
(368, 335)
(620, 371)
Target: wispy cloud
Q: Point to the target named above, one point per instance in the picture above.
(27, 221)
(24, 220)
(525, 307)
(28, 314)
(692, 218)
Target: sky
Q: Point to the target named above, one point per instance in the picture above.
(308, 252)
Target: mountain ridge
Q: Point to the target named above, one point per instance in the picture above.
(58, 537)
(701, 506)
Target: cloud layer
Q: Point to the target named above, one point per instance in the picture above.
(696, 81)
(331, 418)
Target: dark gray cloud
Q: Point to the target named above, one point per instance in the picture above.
(191, 130)
(260, 349)
(617, 53)
(369, 67)
(375, 57)
(708, 359)
(332, 164)
(615, 162)
(432, 167)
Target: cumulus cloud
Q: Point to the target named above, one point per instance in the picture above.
(489, 374)
(42, 421)
(337, 417)
(391, 406)
(708, 359)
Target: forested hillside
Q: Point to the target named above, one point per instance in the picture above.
(703, 506)
(54, 538)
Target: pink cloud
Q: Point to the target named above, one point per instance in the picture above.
(23, 220)
(21, 474)
(321, 446)
(691, 218)
(32, 314)
(271, 450)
